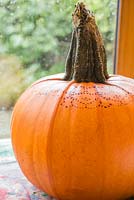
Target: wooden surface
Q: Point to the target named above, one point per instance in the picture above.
(125, 39)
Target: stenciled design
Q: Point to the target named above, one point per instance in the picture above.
(86, 96)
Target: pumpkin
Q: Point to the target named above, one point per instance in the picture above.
(73, 133)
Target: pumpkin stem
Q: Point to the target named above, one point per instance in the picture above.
(86, 60)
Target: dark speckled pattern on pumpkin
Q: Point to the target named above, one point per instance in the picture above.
(119, 91)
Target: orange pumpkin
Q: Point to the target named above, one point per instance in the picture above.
(75, 139)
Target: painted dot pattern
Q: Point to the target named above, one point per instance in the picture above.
(86, 96)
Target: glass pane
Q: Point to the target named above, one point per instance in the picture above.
(34, 41)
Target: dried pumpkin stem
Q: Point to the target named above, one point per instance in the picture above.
(86, 60)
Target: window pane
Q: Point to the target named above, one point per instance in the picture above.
(34, 41)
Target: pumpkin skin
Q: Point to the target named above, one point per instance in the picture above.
(76, 140)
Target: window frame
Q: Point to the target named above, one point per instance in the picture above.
(124, 44)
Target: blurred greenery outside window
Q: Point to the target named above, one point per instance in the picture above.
(35, 37)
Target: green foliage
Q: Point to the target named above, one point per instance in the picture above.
(12, 80)
(38, 33)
